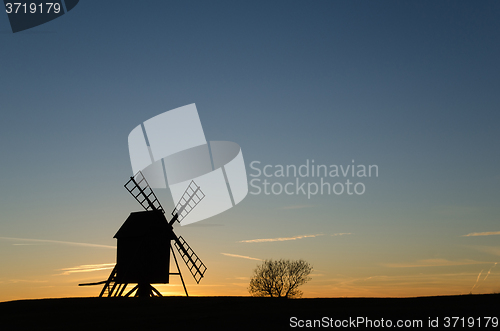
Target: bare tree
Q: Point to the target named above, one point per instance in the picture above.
(280, 278)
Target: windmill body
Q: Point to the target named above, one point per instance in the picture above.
(143, 249)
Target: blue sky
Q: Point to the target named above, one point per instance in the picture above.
(409, 86)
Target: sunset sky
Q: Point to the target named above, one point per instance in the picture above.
(409, 86)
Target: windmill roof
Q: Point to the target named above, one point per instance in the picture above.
(143, 223)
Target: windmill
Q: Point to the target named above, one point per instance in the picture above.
(145, 243)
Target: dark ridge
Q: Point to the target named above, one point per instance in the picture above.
(233, 313)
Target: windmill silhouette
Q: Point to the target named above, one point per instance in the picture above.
(145, 243)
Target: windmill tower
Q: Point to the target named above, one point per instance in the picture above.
(145, 243)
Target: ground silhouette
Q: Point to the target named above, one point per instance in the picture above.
(229, 313)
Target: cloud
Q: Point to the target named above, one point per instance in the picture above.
(477, 280)
(340, 234)
(57, 242)
(433, 263)
(477, 234)
(242, 256)
(489, 271)
(281, 239)
(87, 268)
(291, 238)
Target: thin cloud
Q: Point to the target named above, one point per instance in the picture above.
(433, 263)
(87, 268)
(477, 280)
(57, 242)
(281, 239)
(477, 234)
(489, 271)
(242, 256)
(292, 238)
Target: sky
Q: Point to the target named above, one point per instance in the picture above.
(410, 87)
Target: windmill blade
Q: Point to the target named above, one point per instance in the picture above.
(191, 197)
(193, 262)
(139, 188)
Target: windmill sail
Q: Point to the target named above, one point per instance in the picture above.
(139, 188)
(191, 197)
(193, 262)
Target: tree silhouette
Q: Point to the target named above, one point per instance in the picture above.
(280, 278)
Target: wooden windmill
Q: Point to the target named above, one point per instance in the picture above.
(145, 243)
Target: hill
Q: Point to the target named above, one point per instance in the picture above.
(244, 313)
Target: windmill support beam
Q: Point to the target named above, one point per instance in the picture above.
(179, 271)
(123, 289)
(158, 294)
(131, 291)
(91, 284)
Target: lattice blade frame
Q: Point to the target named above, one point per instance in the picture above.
(191, 197)
(193, 262)
(139, 188)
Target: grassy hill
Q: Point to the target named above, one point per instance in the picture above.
(240, 313)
